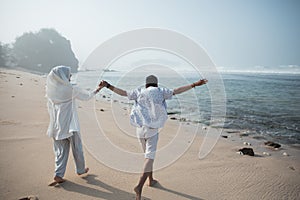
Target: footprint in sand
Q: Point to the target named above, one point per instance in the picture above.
(31, 197)
(8, 122)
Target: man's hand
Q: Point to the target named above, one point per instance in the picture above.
(200, 82)
(103, 84)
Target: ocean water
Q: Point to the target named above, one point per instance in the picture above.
(265, 105)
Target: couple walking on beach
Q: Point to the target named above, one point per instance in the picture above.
(148, 114)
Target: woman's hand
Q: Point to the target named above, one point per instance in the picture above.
(98, 89)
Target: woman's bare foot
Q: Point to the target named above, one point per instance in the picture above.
(152, 183)
(138, 192)
(58, 179)
(86, 171)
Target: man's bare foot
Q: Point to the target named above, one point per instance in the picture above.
(138, 193)
(152, 183)
(85, 171)
(57, 180)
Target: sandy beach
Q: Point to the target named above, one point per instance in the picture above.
(27, 159)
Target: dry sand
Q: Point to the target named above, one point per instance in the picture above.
(27, 160)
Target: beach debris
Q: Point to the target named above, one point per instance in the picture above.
(247, 143)
(285, 154)
(247, 151)
(266, 153)
(224, 136)
(232, 131)
(244, 135)
(21, 84)
(204, 128)
(272, 144)
(173, 118)
(30, 197)
(103, 96)
(292, 168)
(182, 119)
(102, 110)
(12, 96)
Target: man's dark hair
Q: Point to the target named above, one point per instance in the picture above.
(151, 84)
(151, 81)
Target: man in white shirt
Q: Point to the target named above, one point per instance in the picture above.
(149, 114)
(64, 123)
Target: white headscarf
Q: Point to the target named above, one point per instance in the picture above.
(59, 92)
(59, 88)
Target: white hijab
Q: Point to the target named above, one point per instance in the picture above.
(59, 88)
(59, 92)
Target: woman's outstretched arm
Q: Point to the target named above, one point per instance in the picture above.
(188, 87)
(113, 88)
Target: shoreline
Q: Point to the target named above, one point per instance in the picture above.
(27, 160)
(243, 135)
(240, 116)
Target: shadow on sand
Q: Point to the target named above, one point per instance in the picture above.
(187, 196)
(104, 192)
(111, 193)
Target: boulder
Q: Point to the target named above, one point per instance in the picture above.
(272, 144)
(247, 151)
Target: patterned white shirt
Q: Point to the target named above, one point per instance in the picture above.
(150, 108)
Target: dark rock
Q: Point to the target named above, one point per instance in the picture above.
(224, 136)
(247, 151)
(173, 113)
(173, 118)
(272, 144)
(101, 110)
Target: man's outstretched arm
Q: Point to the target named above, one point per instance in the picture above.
(188, 87)
(113, 88)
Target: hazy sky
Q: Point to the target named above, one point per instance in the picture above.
(235, 33)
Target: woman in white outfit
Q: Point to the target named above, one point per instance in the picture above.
(64, 123)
